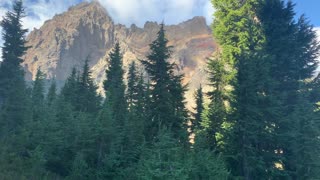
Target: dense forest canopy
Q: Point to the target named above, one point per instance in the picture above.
(261, 120)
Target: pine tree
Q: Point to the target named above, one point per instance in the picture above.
(88, 100)
(52, 94)
(61, 130)
(80, 169)
(107, 137)
(115, 89)
(216, 114)
(114, 85)
(166, 90)
(36, 126)
(13, 100)
(132, 85)
(205, 164)
(70, 89)
(197, 115)
(37, 97)
(15, 104)
(293, 49)
(269, 83)
(241, 37)
(136, 118)
(81, 92)
(164, 159)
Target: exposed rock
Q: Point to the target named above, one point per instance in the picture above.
(87, 31)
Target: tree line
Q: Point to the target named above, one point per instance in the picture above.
(261, 120)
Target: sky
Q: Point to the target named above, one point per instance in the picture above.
(139, 11)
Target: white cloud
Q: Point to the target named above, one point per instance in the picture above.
(43, 10)
(37, 12)
(171, 12)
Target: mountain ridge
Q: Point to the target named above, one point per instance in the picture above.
(87, 30)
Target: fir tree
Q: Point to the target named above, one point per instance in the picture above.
(166, 90)
(205, 164)
(115, 89)
(37, 97)
(52, 94)
(132, 85)
(197, 115)
(70, 89)
(242, 40)
(13, 92)
(15, 104)
(114, 85)
(136, 118)
(164, 159)
(36, 126)
(293, 49)
(216, 114)
(88, 100)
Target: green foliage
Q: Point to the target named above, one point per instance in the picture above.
(114, 85)
(197, 115)
(52, 94)
(88, 101)
(207, 165)
(79, 169)
(167, 92)
(271, 57)
(132, 92)
(164, 159)
(13, 92)
(37, 97)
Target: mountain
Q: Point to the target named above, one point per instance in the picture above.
(87, 31)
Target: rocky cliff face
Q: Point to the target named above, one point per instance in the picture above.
(87, 31)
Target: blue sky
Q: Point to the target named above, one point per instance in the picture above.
(140, 11)
(311, 8)
(122, 11)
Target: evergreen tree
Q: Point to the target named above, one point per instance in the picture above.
(36, 126)
(114, 85)
(37, 97)
(107, 137)
(197, 115)
(88, 99)
(12, 51)
(115, 89)
(70, 89)
(15, 105)
(206, 164)
(269, 83)
(216, 114)
(293, 49)
(241, 37)
(60, 145)
(80, 169)
(166, 90)
(52, 94)
(132, 85)
(136, 119)
(13, 92)
(81, 92)
(165, 159)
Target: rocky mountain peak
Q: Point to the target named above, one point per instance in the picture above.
(87, 31)
(89, 10)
